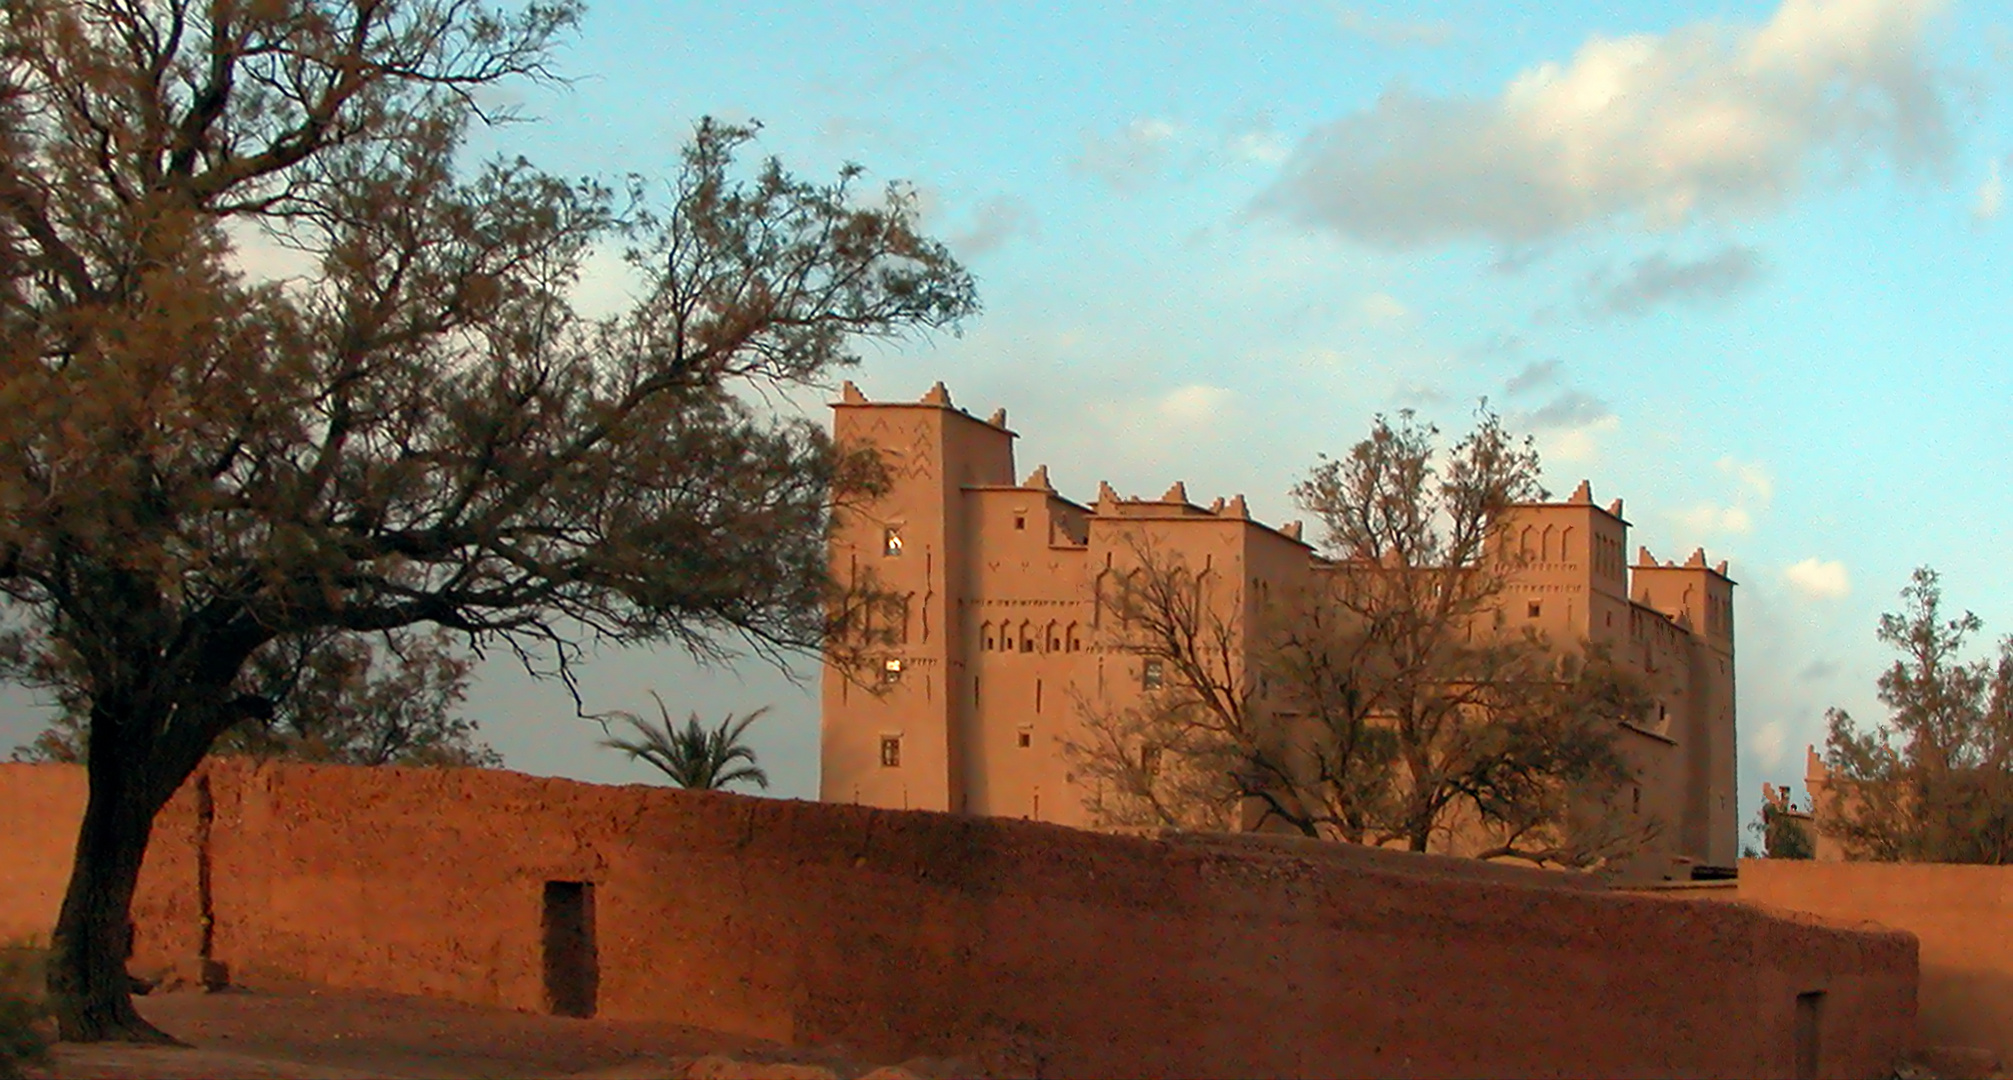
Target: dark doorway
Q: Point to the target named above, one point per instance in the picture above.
(1809, 1018)
(572, 970)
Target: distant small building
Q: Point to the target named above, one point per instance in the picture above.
(1002, 634)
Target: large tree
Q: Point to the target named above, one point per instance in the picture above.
(1497, 728)
(1934, 782)
(418, 427)
(337, 698)
(1380, 703)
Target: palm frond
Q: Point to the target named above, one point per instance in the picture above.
(694, 756)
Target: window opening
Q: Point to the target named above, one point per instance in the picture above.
(891, 672)
(1534, 608)
(1153, 674)
(1024, 739)
(891, 540)
(1020, 521)
(891, 751)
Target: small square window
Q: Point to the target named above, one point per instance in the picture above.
(1020, 522)
(1534, 608)
(891, 751)
(1025, 739)
(891, 540)
(891, 672)
(1153, 675)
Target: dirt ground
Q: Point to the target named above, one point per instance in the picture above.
(277, 1030)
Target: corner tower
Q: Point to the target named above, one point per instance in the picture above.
(1697, 599)
(890, 734)
(1569, 578)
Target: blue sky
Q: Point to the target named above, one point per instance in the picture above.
(1741, 264)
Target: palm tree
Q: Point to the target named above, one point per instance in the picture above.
(694, 757)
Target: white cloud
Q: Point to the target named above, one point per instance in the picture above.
(1752, 476)
(1567, 410)
(1768, 743)
(1151, 149)
(996, 221)
(1819, 580)
(1194, 406)
(1576, 445)
(1393, 32)
(1135, 157)
(1711, 518)
(1660, 279)
(1382, 307)
(1708, 120)
(1991, 197)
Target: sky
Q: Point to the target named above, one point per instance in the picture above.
(1742, 265)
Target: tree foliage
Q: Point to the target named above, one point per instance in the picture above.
(337, 699)
(1934, 781)
(417, 428)
(1380, 704)
(694, 757)
(1480, 724)
(1784, 833)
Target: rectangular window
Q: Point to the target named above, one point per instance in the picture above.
(1534, 608)
(1149, 760)
(1019, 522)
(891, 672)
(891, 540)
(1025, 739)
(1153, 674)
(891, 751)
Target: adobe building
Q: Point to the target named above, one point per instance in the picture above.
(1005, 638)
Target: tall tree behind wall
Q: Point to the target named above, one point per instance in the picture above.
(1934, 782)
(1379, 703)
(419, 429)
(1505, 731)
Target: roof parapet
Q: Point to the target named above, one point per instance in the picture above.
(850, 394)
(1038, 479)
(937, 395)
(1178, 493)
(1583, 494)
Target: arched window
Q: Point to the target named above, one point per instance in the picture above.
(1054, 637)
(1075, 638)
(1027, 637)
(989, 643)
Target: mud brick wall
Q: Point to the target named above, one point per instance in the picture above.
(1025, 946)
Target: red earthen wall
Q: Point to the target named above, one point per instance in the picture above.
(1962, 915)
(1028, 946)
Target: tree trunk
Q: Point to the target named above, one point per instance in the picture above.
(88, 982)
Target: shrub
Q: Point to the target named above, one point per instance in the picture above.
(24, 1033)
